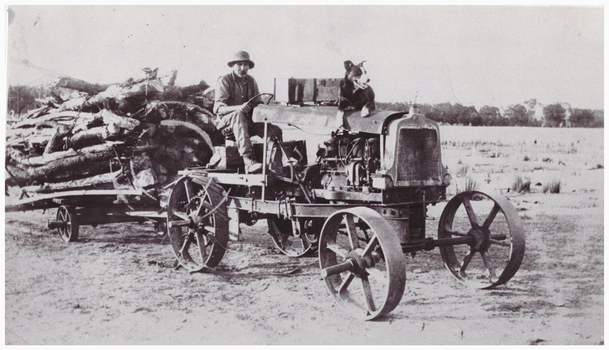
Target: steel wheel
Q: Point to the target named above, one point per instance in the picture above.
(498, 248)
(67, 227)
(289, 244)
(197, 222)
(362, 262)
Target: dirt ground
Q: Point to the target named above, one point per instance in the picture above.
(117, 284)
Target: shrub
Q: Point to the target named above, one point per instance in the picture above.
(552, 187)
(521, 186)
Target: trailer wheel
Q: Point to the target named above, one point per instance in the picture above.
(362, 262)
(197, 222)
(282, 232)
(495, 255)
(67, 224)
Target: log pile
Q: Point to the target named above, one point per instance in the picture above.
(138, 133)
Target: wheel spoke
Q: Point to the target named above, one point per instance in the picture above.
(466, 261)
(368, 293)
(202, 248)
(181, 215)
(188, 189)
(351, 231)
(371, 245)
(491, 216)
(470, 212)
(342, 290)
(455, 233)
(338, 250)
(185, 245)
(501, 243)
(489, 266)
(210, 229)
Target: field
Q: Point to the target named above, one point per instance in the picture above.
(117, 284)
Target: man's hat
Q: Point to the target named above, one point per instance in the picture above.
(240, 56)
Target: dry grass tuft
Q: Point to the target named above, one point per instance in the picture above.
(552, 187)
(462, 171)
(469, 184)
(521, 185)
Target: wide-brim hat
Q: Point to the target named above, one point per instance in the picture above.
(241, 56)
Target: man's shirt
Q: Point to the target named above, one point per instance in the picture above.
(233, 91)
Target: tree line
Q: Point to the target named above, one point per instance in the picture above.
(554, 115)
(22, 98)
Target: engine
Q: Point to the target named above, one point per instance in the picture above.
(348, 161)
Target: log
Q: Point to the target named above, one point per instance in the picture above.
(81, 85)
(65, 117)
(58, 141)
(194, 89)
(68, 157)
(59, 172)
(93, 136)
(88, 182)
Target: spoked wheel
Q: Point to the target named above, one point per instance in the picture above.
(67, 224)
(362, 262)
(497, 248)
(287, 242)
(197, 222)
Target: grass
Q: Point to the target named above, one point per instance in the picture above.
(521, 185)
(469, 184)
(462, 171)
(552, 187)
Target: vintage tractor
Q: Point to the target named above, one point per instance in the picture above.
(361, 205)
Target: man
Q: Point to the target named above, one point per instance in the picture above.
(233, 91)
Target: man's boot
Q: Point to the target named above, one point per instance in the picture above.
(251, 165)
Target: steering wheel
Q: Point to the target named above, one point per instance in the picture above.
(262, 94)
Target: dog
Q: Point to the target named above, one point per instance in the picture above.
(355, 93)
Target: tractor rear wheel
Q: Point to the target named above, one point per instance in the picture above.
(197, 222)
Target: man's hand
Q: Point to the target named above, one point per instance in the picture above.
(246, 108)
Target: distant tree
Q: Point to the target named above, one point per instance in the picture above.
(21, 98)
(530, 103)
(599, 118)
(517, 115)
(490, 115)
(393, 106)
(554, 115)
(468, 115)
(583, 118)
(426, 110)
(441, 112)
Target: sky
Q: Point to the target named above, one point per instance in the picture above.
(473, 55)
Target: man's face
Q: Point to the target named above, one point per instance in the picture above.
(241, 68)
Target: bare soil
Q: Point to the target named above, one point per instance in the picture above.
(118, 284)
